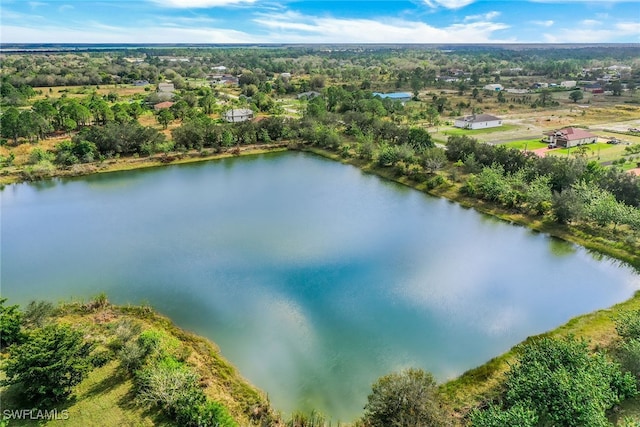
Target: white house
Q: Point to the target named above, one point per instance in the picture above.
(478, 121)
(569, 137)
(569, 83)
(238, 115)
(494, 87)
(166, 87)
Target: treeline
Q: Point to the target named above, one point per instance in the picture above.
(571, 189)
(363, 65)
(46, 116)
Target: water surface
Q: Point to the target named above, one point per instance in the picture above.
(312, 277)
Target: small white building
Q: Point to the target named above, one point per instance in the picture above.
(569, 83)
(477, 121)
(494, 87)
(166, 87)
(238, 115)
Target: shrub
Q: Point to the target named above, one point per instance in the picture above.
(629, 355)
(165, 384)
(565, 384)
(628, 325)
(134, 354)
(300, 419)
(435, 181)
(408, 398)
(173, 387)
(494, 416)
(37, 313)
(100, 358)
(124, 330)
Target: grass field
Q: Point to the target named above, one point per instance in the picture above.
(468, 132)
(528, 144)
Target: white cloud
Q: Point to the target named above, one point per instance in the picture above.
(109, 34)
(199, 4)
(287, 28)
(603, 34)
(590, 22)
(449, 4)
(482, 17)
(547, 23)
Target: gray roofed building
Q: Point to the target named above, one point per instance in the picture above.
(238, 115)
(478, 121)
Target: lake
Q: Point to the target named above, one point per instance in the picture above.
(313, 277)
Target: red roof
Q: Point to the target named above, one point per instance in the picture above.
(571, 134)
(161, 105)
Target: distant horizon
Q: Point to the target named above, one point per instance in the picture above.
(47, 47)
(296, 22)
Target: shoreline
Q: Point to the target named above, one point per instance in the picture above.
(479, 383)
(156, 160)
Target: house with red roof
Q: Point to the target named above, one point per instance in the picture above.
(163, 105)
(569, 137)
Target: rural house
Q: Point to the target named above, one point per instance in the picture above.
(569, 137)
(478, 121)
(162, 105)
(238, 115)
(166, 88)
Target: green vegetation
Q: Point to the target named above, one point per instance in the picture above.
(127, 359)
(148, 372)
(560, 382)
(526, 144)
(48, 364)
(407, 398)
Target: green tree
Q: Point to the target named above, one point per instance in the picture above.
(576, 95)
(207, 102)
(10, 123)
(419, 139)
(616, 88)
(405, 399)
(50, 362)
(37, 313)
(566, 206)
(433, 159)
(10, 322)
(164, 117)
(545, 97)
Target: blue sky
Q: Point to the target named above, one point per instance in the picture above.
(298, 21)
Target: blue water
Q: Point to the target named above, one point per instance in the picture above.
(312, 277)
